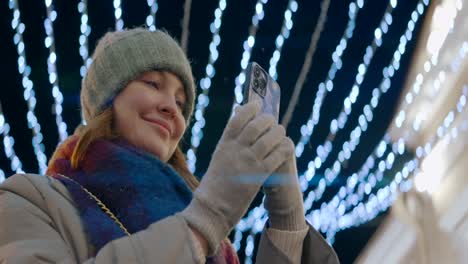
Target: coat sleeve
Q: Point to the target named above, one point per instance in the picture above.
(166, 241)
(311, 249)
(29, 235)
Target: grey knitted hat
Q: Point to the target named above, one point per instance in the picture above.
(122, 56)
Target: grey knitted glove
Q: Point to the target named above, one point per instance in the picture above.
(250, 149)
(283, 196)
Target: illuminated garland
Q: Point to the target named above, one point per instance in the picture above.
(257, 217)
(284, 35)
(327, 85)
(249, 221)
(8, 143)
(119, 23)
(363, 212)
(49, 43)
(28, 85)
(85, 30)
(205, 84)
(364, 119)
(248, 46)
(305, 66)
(151, 18)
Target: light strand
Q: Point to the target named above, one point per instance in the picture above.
(282, 37)
(205, 84)
(256, 218)
(49, 43)
(305, 67)
(364, 177)
(436, 85)
(151, 18)
(29, 94)
(386, 195)
(364, 119)
(421, 150)
(346, 196)
(327, 85)
(428, 67)
(119, 23)
(250, 222)
(248, 46)
(2, 176)
(8, 144)
(85, 30)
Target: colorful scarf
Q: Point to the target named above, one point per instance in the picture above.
(138, 188)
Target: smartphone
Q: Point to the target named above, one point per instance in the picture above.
(259, 85)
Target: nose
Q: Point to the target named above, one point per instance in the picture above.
(168, 106)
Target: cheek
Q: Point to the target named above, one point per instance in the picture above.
(125, 119)
(122, 124)
(180, 129)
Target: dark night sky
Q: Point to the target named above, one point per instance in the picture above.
(234, 30)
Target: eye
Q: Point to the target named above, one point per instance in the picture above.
(152, 83)
(180, 104)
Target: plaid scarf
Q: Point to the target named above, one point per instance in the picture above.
(138, 188)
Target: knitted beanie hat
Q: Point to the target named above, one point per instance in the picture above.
(122, 56)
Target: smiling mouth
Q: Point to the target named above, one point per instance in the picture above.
(159, 124)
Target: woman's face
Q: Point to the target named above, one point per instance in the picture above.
(148, 113)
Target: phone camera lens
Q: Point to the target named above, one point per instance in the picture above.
(255, 83)
(257, 72)
(262, 84)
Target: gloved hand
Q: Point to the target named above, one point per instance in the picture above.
(283, 195)
(250, 149)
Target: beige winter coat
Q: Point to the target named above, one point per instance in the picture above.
(39, 223)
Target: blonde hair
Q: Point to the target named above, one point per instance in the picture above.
(101, 127)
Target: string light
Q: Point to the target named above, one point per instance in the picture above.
(253, 218)
(85, 30)
(364, 119)
(428, 67)
(442, 130)
(248, 46)
(305, 66)
(386, 195)
(8, 143)
(306, 130)
(421, 151)
(282, 37)
(327, 86)
(119, 24)
(436, 85)
(151, 18)
(345, 197)
(205, 83)
(256, 223)
(28, 85)
(250, 221)
(364, 177)
(49, 43)
(2, 176)
(256, 219)
(245, 224)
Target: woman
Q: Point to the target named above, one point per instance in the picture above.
(119, 190)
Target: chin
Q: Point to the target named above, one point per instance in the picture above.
(160, 154)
